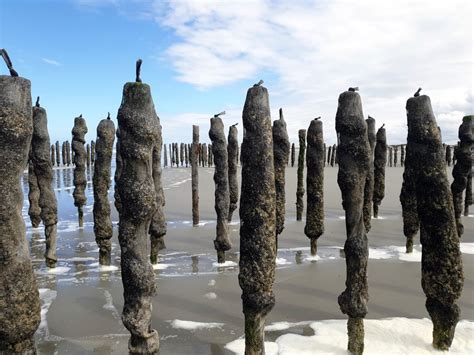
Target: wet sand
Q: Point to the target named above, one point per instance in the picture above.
(82, 302)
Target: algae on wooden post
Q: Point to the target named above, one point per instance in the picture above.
(441, 262)
(19, 298)
(354, 161)
(157, 228)
(101, 184)
(369, 183)
(139, 131)
(315, 184)
(195, 175)
(78, 140)
(281, 152)
(300, 184)
(462, 169)
(380, 161)
(233, 156)
(221, 180)
(258, 219)
(44, 174)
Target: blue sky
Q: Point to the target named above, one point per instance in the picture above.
(200, 56)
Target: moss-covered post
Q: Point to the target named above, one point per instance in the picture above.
(195, 175)
(53, 155)
(44, 174)
(300, 184)
(281, 154)
(293, 154)
(101, 184)
(441, 262)
(462, 169)
(80, 182)
(221, 179)
(139, 129)
(315, 184)
(233, 156)
(354, 161)
(34, 210)
(369, 183)
(165, 156)
(380, 161)
(257, 215)
(19, 298)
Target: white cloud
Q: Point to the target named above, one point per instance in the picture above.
(313, 50)
(51, 62)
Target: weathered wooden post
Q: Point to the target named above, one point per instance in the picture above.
(329, 155)
(402, 155)
(233, 156)
(354, 160)
(258, 219)
(462, 169)
(210, 156)
(53, 155)
(80, 182)
(63, 153)
(88, 155)
(221, 179)
(441, 263)
(34, 210)
(315, 184)
(333, 155)
(369, 183)
(395, 155)
(58, 154)
(44, 174)
(448, 155)
(181, 153)
(101, 184)
(390, 156)
(165, 156)
(139, 131)
(300, 185)
(380, 161)
(468, 198)
(195, 174)
(186, 155)
(281, 152)
(92, 152)
(19, 298)
(293, 154)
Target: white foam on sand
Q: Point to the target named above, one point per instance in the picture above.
(282, 261)
(382, 336)
(190, 325)
(103, 268)
(58, 270)
(211, 283)
(228, 263)
(396, 252)
(467, 248)
(109, 305)
(161, 266)
(47, 297)
(80, 258)
(312, 258)
(210, 296)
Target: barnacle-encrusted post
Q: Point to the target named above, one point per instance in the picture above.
(380, 161)
(139, 129)
(462, 169)
(158, 223)
(44, 174)
(281, 152)
(19, 298)
(221, 180)
(257, 215)
(300, 184)
(441, 262)
(233, 156)
(101, 184)
(354, 161)
(369, 183)
(315, 184)
(78, 140)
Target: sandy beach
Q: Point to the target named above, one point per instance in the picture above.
(197, 309)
